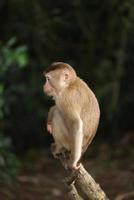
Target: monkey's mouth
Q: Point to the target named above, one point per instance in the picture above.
(49, 93)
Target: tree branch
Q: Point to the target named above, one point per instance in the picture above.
(80, 184)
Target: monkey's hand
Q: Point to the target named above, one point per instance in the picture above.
(49, 127)
(75, 166)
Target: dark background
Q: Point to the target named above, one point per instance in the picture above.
(96, 38)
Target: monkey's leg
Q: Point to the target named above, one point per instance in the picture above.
(60, 148)
(60, 132)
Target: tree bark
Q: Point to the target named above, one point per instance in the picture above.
(80, 184)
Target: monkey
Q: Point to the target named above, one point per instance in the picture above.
(74, 119)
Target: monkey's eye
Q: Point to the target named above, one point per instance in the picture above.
(47, 78)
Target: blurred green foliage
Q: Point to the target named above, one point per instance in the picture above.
(10, 59)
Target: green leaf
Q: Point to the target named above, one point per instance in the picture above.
(22, 60)
(11, 42)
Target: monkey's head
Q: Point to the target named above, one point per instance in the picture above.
(58, 76)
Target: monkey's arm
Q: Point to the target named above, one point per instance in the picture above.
(72, 116)
(77, 139)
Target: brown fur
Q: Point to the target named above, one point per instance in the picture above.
(74, 104)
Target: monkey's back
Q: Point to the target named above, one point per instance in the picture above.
(79, 96)
(90, 113)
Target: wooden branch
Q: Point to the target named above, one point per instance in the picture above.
(80, 184)
(72, 193)
(88, 187)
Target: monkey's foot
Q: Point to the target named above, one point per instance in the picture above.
(60, 152)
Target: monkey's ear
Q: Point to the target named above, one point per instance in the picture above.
(66, 75)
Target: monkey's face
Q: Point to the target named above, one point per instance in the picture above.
(48, 87)
(55, 83)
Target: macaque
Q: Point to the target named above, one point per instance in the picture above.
(74, 118)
